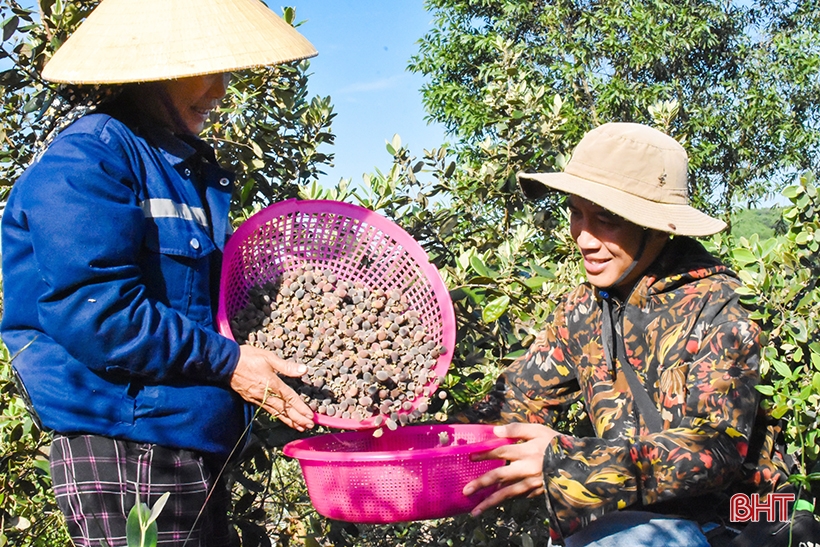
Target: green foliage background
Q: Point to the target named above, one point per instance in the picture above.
(765, 223)
(517, 83)
(744, 75)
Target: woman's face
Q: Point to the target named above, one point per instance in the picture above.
(609, 245)
(185, 104)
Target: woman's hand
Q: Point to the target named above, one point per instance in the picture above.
(523, 475)
(256, 379)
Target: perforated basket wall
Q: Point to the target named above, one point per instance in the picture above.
(413, 473)
(354, 243)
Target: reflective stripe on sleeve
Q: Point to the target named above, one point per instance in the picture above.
(166, 208)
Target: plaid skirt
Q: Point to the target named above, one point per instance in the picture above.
(96, 480)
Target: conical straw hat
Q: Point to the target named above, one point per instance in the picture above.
(147, 40)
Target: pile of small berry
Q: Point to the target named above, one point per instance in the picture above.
(368, 354)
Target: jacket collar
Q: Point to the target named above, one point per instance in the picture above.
(174, 148)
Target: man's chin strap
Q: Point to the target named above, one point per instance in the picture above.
(614, 351)
(607, 292)
(608, 338)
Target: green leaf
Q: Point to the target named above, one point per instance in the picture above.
(535, 282)
(479, 266)
(779, 411)
(33, 103)
(158, 506)
(246, 191)
(463, 259)
(481, 280)
(765, 389)
(799, 330)
(815, 360)
(9, 26)
(151, 535)
(475, 296)
(768, 246)
(746, 277)
(743, 256)
(543, 272)
(448, 226)
(42, 465)
(495, 309)
(792, 192)
(782, 368)
(457, 294)
(802, 238)
(134, 525)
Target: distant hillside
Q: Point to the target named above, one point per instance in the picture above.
(756, 221)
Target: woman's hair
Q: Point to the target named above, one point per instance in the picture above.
(70, 103)
(121, 101)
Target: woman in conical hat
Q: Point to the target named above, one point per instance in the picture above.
(112, 244)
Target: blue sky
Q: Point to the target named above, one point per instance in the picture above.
(364, 47)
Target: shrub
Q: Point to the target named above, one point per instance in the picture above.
(780, 278)
(28, 513)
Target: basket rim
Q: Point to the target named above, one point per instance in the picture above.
(297, 449)
(413, 248)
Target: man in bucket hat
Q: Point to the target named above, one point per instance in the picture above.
(656, 346)
(112, 245)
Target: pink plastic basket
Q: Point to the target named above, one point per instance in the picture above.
(412, 473)
(354, 243)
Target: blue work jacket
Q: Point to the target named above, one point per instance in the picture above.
(112, 244)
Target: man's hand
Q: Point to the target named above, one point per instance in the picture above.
(523, 475)
(256, 380)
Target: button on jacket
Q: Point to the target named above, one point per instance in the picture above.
(112, 244)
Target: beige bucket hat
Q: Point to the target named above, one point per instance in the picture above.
(125, 41)
(634, 171)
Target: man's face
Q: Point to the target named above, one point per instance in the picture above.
(192, 99)
(609, 245)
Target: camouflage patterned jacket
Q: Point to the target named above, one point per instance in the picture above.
(696, 352)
